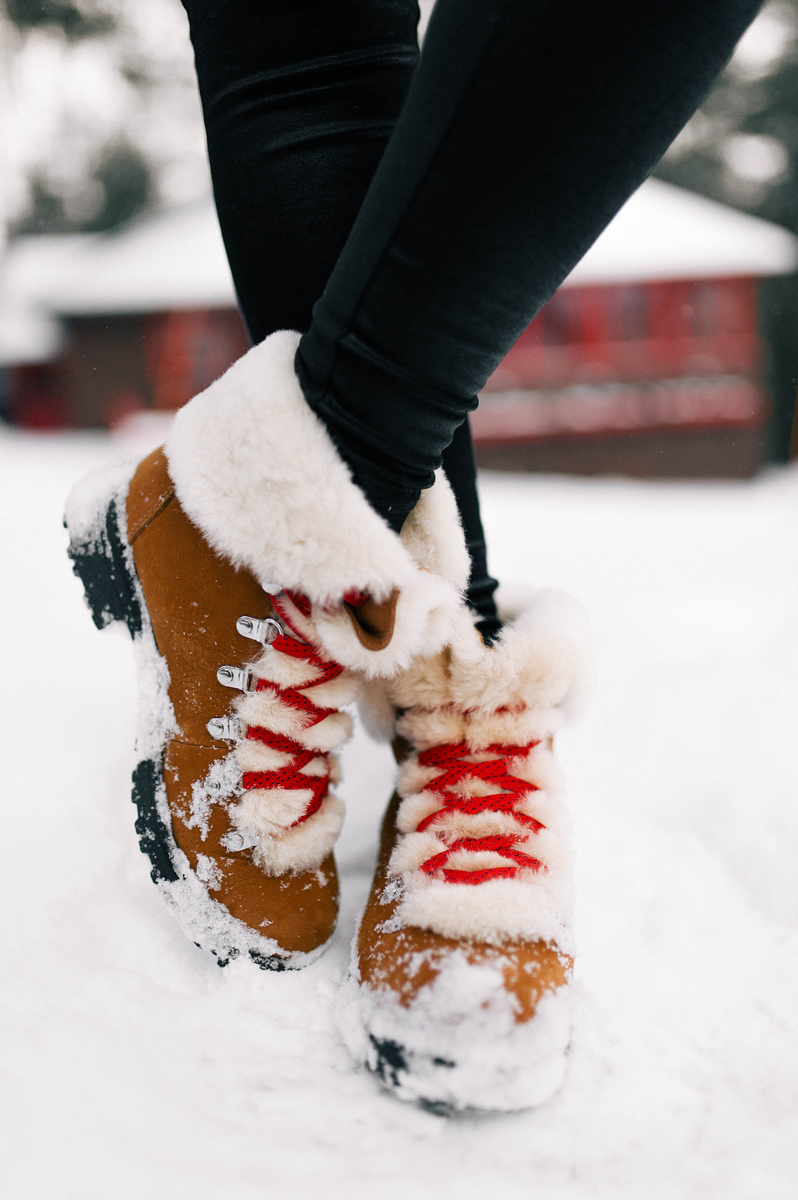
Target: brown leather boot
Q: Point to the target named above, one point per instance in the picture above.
(247, 532)
(459, 992)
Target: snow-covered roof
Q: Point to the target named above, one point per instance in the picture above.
(163, 261)
(172, 259)
(176, 259)
(30, 271)
(665, 232)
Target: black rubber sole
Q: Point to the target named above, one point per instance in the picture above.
(392, 1060)
(112, 594)
(101, 566)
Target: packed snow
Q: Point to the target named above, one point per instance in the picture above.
(135, 1067)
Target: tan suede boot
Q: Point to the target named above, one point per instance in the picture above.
(459, 992)
(247, 532)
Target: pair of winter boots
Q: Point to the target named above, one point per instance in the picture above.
(264, 595)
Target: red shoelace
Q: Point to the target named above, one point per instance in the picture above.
(450, 760)
(290, 777)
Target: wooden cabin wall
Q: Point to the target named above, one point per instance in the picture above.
(115, 365)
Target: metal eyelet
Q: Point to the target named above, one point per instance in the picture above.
(263, 631)
(238, 840)
(237, 677)
(224, 727)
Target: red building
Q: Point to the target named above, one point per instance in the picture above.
(648, 360)
(94, 328)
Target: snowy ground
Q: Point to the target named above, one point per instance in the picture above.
(136, 1068)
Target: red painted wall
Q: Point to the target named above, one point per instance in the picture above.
(636, 332)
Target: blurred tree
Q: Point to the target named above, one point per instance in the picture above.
(126, 181)
(101, 113)
(120, 186)
(76, 22)
(741, 147)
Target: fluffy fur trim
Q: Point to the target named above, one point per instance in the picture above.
(270, 814)
(492, 912)
(537, 677)
(256, 470)
(299, 849)
(538, 767)
(266, 709)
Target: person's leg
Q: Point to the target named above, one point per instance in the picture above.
(527, 125)
(299, 99)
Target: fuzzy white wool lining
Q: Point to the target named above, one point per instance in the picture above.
(299, 849)
(490, 912)
(265, 708)
(256, 470)
(536, 678)
(550, 846)
(539, 665)
(539, 767)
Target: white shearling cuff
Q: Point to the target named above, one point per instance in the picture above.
(257, 472)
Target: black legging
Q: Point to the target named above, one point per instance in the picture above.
(526, 125)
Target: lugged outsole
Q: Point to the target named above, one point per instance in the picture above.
(100, 565)
(103, 562)
(100, 561)
(153, 837)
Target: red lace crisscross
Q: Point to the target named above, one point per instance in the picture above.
(290, 777)
(450, 759)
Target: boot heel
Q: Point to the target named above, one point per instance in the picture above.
(102, 561)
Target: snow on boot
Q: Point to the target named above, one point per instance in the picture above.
(458, 995)
(259, 588)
